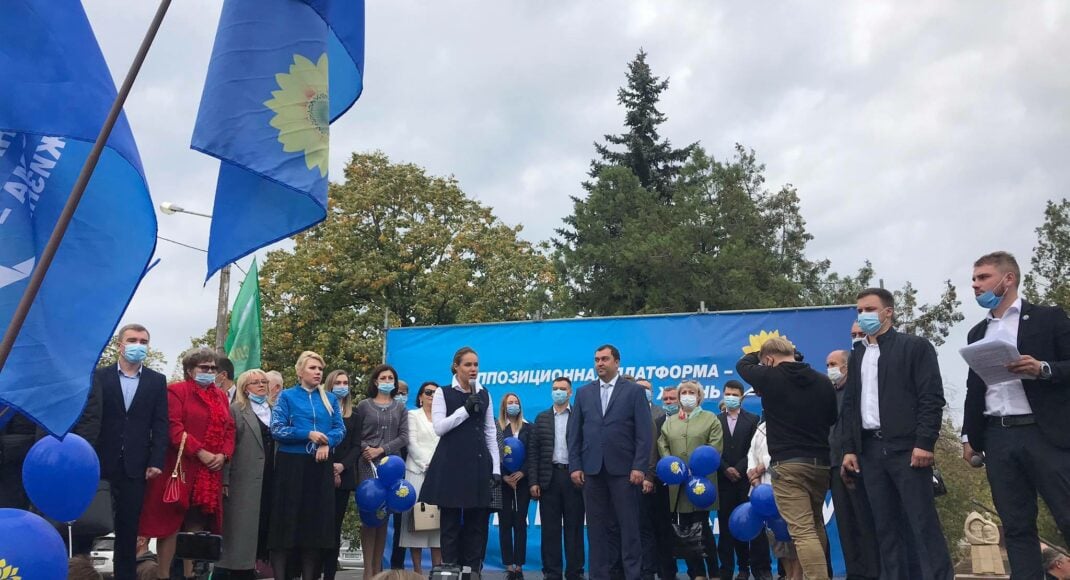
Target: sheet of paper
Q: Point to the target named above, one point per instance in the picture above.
(988, 358)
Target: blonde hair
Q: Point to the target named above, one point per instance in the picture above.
(347, 401)
(397, 575)
(240, 396)
(503, 417)
(699, 391)
(777, 346)
(302, 362)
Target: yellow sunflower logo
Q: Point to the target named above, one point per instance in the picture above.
(699, 488)
(302, 111)
(8, 572)
(384, 460)
(757, 340)
(402, 491)
(676, 468)
(508, 450)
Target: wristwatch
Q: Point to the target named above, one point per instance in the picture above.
(1045, 372)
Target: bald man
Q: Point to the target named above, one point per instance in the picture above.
(853, 516)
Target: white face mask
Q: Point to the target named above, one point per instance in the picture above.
(834, 374)
(688, 401)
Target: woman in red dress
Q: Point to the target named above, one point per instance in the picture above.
(198, 409)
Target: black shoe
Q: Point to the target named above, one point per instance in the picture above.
(743, 575)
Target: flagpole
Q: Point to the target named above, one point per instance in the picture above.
(54, 240)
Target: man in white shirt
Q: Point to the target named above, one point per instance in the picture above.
(1020, 425)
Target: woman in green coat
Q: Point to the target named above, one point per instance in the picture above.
(681, 434)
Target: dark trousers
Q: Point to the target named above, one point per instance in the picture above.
(656, 533)
(128, 493)
(463, 536)
(697, 566)
(397, 553)
(753, 555)
(561, 502)
(1022, 463)
(513, 523)
(855, 522)
(896, 491)
(613, 525)
(330, 559)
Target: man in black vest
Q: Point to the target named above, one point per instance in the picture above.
(133, 437)
(733, 488)
(1020, 425)
(559, 500)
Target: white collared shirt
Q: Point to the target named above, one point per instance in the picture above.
(1006, 398)
(608, 386)
(560, 442)
(262, 411)
(444, 424)
(871, 407)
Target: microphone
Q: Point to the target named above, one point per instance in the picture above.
(977, 460)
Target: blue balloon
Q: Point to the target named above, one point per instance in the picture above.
(61, 477)
(672, 470)
(30, 547)
(764, 502)
(402, 497)
(371, 495)
(514, 454)
(779, 528)
(391, 469)
(744, 524)
(373, 518)
(701, 492)
(704, 461)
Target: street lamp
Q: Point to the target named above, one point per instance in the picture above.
(224, 282)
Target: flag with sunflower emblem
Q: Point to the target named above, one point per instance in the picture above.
(281, 72)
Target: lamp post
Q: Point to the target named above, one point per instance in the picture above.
(224, 282)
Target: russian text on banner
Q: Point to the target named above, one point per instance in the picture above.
(281, 72)
(57, 94)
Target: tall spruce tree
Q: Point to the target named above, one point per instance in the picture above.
(650, 157)
(1049, 281)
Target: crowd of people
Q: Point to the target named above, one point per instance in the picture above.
(273, 469)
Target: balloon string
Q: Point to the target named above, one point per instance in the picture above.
(70, 540)
(375, 470)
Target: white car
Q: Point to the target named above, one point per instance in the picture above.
(350, 556)
(102, 552)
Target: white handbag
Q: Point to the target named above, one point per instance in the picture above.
(424, 517)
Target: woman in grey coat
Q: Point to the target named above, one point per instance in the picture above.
(247, 480)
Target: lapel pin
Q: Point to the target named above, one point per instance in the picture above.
(1026, 317)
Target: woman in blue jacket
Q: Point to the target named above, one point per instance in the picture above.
(307, 423)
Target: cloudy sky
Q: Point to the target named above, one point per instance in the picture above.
(919, 134)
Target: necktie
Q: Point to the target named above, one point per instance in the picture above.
(605, 398)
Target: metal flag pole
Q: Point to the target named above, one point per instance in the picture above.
(54, 240)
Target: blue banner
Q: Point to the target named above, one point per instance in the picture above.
(281, 72)
(57, 93)
(524, 358)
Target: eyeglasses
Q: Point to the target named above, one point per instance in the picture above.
(207, 368)
(429, 392)
(258, 382)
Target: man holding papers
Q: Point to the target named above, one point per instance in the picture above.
(1020, 424)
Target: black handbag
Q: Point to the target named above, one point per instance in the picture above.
(687, 542)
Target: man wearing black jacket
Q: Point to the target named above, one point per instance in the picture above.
(559, 500)
(733, 488)
(1020, 425)
(892, 411)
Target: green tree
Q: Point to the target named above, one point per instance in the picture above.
(401, 243)
(1049, 279)
(155, 359)
(650, 157)
(929, 321)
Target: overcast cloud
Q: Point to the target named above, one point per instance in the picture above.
(919, 134)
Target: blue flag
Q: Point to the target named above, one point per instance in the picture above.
(57, 93)
(281, 72)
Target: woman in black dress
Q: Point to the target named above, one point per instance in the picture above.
(344, 461)
(513, 517)
(465, 464)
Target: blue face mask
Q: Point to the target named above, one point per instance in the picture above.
(403, 399)
(560, 396)
(341, 391)
(386, 388)
(135, 353)
(731, 401)
(512, 410)
(204, 379)
(649, 395)
(672, 409)
(989, 300)
(258, 399)
(869, 322)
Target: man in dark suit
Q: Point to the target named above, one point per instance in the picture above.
(133, 437)
(609, 452)
(1020, 425)
(892, 411)
(559, 500)
(739, 427)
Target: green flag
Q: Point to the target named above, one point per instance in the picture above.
(243, 336)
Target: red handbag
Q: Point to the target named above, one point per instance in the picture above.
(176, 491)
